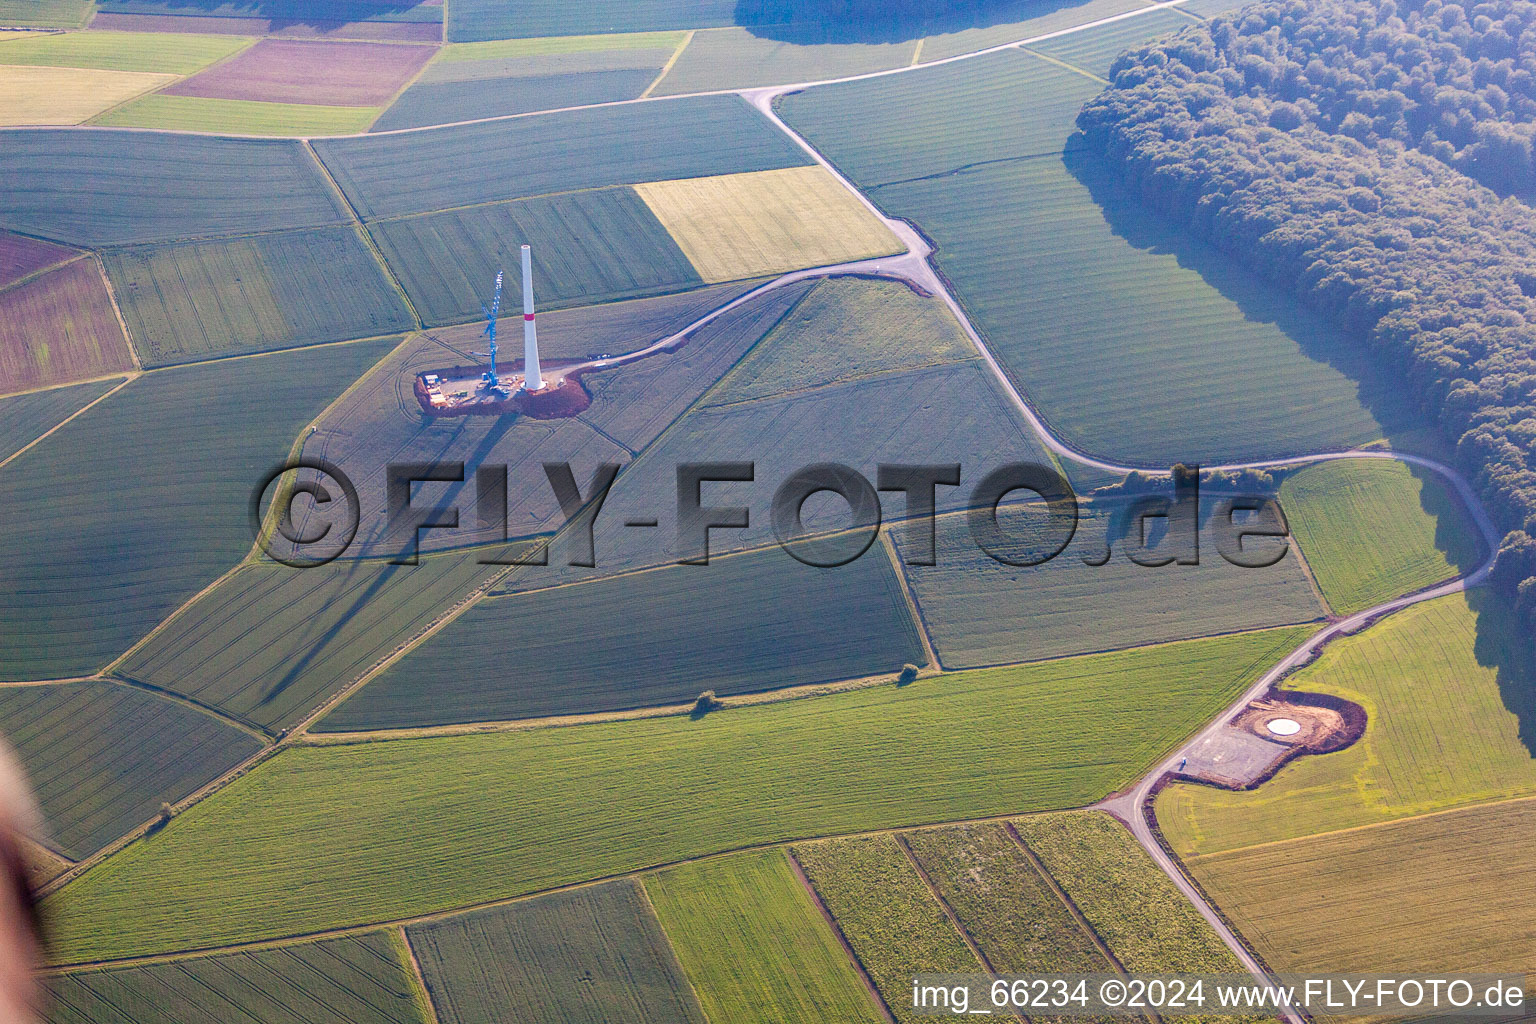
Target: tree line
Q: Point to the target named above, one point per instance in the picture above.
(1349, 151)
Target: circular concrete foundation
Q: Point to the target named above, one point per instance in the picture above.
(1283, 726)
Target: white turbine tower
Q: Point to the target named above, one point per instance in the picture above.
(532, 380)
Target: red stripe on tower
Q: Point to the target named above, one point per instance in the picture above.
(528, 316)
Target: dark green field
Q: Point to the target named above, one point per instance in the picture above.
(117, 188)
(200, 300)
(429, 103)
(25, 418)
(270, 644)
(592, 247)
(323, 837)
(1221, 366)
(106, 539)
(439, 168)
(982, 612)
(590, 954)
(890, 918)
(757, 621)
(341, 981)
(493, 19)
(103, 757)
(1003, 901)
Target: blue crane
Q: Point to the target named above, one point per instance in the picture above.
(492, 381)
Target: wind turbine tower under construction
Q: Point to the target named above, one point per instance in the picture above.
(532, 379)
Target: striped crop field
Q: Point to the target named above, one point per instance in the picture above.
(46, 13)
(1004, 902)
(1095, 51)
(587, 954)
(325, 836)
(60, 327)
(745, 623)
(735, 226)
(754, 945)
(325, 72)
(1443, 684)
(894, 923)
(982, 612)
(1376, 529)
(118, 188)
(238, 117)
(26, 417)
(1449, 892)
(736, 58)
(338, 981)
(464, 165)
(594, 246)
(164, 53)
(1108, 301)
(22, 257)
(103, 542)
(103, 757)
(271, 643)
(490, 19)
(189, 301)
(1141, 915)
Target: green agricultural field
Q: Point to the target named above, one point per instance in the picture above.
(735, 58)
(1221, 366)
(45, 13)
(890, 918)
(574, 48)
(271, 643)
(750, 622)
(59, 328)
(470, 20)
(1142, 917)
(434, 102)
(25, 418)
(982, 612)
(592, 247)
(103, 758)
(1446, 892)
(189, 301)
(1021, 19)
(948, 413)
(1003, 901)
(340, 981)
(462, 165)
(348, 12)
(1375, 530)
(755, 946)
(238, 117)
(1449, 701)
(1006, 106)
(105, 540)
(1095, 51)
(321, 837)
(164, 52)
(588, 954)
(115, 188)
(841, 332)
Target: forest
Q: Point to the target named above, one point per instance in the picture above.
(1373, 158)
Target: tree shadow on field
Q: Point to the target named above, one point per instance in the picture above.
(816, 22)
(283, 14)
(1500, 647)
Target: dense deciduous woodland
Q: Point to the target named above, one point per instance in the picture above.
(1370, 156)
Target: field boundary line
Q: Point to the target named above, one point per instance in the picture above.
(1367, 827)
(913, 609)
(149, 90)
(367, 236)
(33, 275)
(418, 980)
(670, 64)
(254, 731)
(117, 310)
(837, 933)
(949, 912)
(409, 82)
(917, 52)
(18, 453)
(176, 78)
(1063, 64)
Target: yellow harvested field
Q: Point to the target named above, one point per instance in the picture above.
(736, 226)
(48, 95)
(1453, 891)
